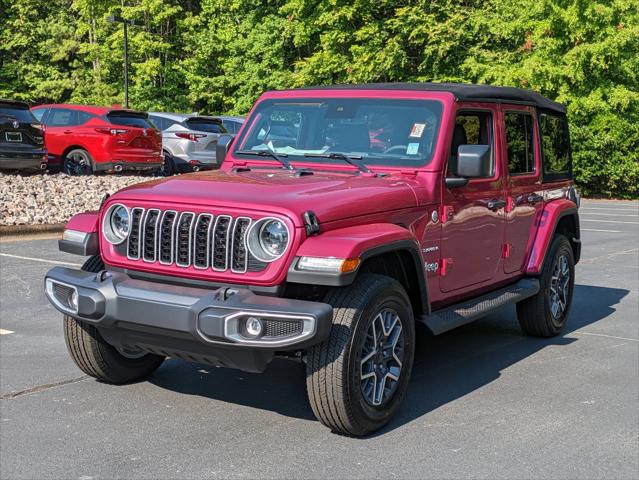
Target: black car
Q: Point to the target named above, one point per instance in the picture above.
(21, 138)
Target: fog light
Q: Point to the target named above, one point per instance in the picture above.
(73, 300)
(253, 326)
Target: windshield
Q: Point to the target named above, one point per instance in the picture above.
(379, 131)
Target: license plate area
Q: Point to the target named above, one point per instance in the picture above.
(15, 137)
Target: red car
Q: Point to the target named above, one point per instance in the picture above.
(85, 139)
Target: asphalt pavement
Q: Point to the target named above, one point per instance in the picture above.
(485, 401)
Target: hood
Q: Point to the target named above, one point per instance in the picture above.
(331, 196)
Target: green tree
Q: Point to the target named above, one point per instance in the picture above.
(218, 56)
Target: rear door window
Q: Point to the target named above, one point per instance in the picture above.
(159, 122)
(62, 117)
(555, 146)
(519, 143)
(231, 126)
(84, 117)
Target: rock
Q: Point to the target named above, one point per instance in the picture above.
(31, 199)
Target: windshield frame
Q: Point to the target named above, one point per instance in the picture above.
(317, 96)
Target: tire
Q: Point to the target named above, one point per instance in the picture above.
(77, 162)
(545, 314)
(168, 166)
(95, 357)
(93, 264)
(337, 387)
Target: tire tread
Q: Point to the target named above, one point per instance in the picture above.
(327, 388)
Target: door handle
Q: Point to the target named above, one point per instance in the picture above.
(534, 198)
(68, 131)
(495, 205)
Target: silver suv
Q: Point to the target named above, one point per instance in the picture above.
(189, 140)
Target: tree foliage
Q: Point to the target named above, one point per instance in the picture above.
(217, 56)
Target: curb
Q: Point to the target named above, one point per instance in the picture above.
(18, 230)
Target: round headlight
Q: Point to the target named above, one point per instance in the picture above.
(116, 224)
(268, 239)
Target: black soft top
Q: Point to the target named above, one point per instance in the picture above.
(462, 91)
(6, 103)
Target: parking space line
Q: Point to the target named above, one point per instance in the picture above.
(53, 262)
(609, 255)
(40, 388)
(607, 336)
(609, 214)
(6, 332)
(600, 230)
(606, 221)
(611, 209)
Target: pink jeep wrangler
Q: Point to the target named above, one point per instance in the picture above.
(340, 218)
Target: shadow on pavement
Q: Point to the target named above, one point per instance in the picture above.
(446, 367)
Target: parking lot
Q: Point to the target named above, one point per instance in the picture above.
(485, 400)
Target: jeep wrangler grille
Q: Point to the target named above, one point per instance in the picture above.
(186, 239)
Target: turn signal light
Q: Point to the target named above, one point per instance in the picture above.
(328, 264)
(350, 265)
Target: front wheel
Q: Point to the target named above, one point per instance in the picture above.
(95, 357)
(358, 377)
(545, 314)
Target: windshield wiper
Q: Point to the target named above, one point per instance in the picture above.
(269, 153)
(350, 159)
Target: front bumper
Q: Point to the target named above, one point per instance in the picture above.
(197, 324)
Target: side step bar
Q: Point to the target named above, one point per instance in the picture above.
(465, 312)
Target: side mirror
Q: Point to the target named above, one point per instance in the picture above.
(473, 161)
(222, 148)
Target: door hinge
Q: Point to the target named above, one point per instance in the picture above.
(446, 213)
(445, 265)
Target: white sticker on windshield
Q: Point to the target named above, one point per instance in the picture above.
(418, 130)
(412, 149)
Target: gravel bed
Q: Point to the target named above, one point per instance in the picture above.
(49, 199)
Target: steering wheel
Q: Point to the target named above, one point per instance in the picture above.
(396, 147)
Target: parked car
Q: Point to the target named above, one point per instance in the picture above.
(84, 139)
(21, 138)
(232, 124)
(188, 140)
(330, 251)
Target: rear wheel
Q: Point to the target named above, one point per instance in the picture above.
(77, 162)
(95, 357)
(358, 377)
(545, 314)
